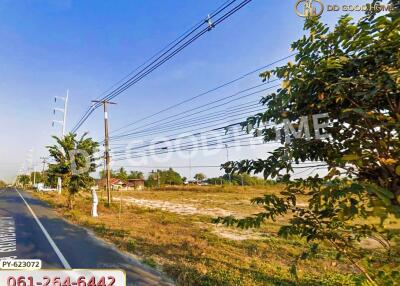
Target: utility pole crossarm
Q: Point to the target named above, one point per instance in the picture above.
(62, 110)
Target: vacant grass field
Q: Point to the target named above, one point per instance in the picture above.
(171, 229)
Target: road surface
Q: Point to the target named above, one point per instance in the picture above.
(29, 229)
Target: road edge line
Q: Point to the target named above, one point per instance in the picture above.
(47, 235)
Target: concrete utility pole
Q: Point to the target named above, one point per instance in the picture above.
(106, 146)
(44, 161)
(34, 176)
(227, 159)
(190, 165)
(63, 110)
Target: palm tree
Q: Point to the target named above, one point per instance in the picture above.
(74, 161)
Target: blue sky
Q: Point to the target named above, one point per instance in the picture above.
(49, 46)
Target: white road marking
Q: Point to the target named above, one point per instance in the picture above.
(46, 234)
(8, 238)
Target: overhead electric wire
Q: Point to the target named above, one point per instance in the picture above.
(179, 138)
(200, 166)
(203, 93)
(144, 71)
(198, 133)
(205, 30)
(188, 135)
(149, 68)
(200, 143)
(189, 149)
(216, 115)
(206, 105)
(176, 41)
(181, 113)
(204, 142)
(188, 31)
(197, 123)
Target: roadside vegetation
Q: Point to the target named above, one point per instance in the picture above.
(193, 251)
(345, 83)
(73, 162)
(2, 184)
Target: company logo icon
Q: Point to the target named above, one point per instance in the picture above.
(309, 8)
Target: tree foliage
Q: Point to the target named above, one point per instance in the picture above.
(237, 180)
(24, 180)
(64, 168)
(122, 174)
(199, 177)
(165, 177)
(351, 73)
(136, 175)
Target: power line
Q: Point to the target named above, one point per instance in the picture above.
(216, 148)
(189, 146)
(198, 124)
(185, 112)
(156, 63)
(203, 93)
(159, 52)
(173, 44)
(201, 143)
(215, 115)
(150, 143)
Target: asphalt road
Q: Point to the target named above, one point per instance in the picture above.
(30, 229)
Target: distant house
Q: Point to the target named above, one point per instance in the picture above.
(136, 184)
(115, 183)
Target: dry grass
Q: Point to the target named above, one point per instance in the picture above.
(193, 251)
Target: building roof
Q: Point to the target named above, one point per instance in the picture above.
(133, 180)
(113, 181)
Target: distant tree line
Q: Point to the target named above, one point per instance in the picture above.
(2, 184)
(122, 174)
(172, 177)
(238, 180)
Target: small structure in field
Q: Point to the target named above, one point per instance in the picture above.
(135, 184)
(115, 183)
(118, 184)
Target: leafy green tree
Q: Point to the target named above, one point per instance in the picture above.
(165, 177)
(351, 73)
(199, 177)
(38, 176)
(24, 180)
(136, 175)
(2, 184)
(102, 173)
(122, 174)
(171, 177)
(74, 161)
